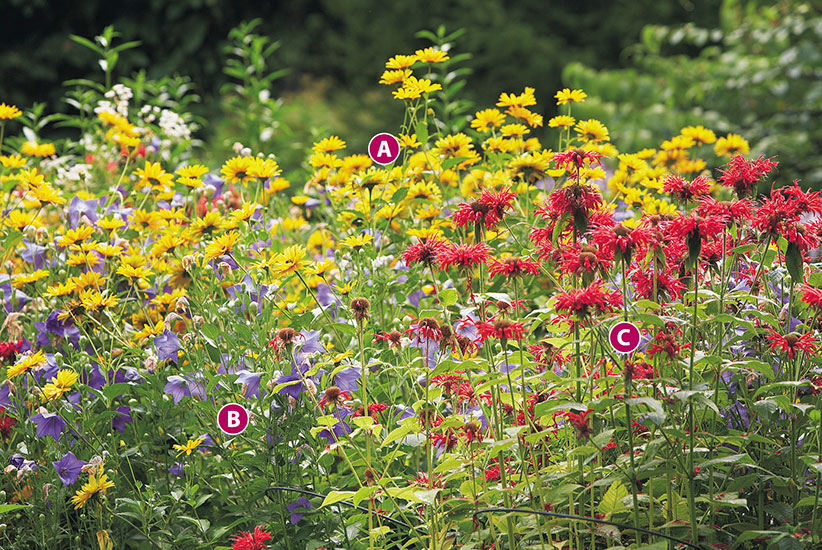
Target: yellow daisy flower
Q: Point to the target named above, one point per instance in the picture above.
(59, 384)
(731, 145)
(96, 484)
(430, 55)
(221, 246)
(329, 144)
(8, 112)
(236, 170)
(189, 446)
(567, 95)
(25, 363)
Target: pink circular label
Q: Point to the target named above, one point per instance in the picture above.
(232, 419)
(384, 148)
(624, 337)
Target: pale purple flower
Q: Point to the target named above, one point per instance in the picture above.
(48, 424)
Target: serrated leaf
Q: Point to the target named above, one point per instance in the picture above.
(612, 499)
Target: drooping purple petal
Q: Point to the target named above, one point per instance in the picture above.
(167, 346)
(347, 378)
(299, 504)
(252, 379)
(308, 342)
(178, 469)
(48, 424)
(177, 388)
(78, 206)
(121, 419)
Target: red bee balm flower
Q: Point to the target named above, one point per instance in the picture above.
(684, 190)
(424, 252)
(513, 267)
(791, 342)
(503, 329)
(583, 302)
(247, 540)
(464, 256)
(477, 214)
(499, 201)
(812, 297)
(622, 241)
(743, 174)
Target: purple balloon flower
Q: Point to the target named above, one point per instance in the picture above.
(167, 345)
(252, 379)
(299, 504)
(177, 469)
(121, 419)
(48, 424)
(69, 468)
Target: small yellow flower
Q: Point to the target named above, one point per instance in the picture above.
(401, 62)
(592, 130)
(567, 95)
(8, 112)
(290, 261)
(408, 142)
(26, 362)
(562, 121)
(486, 119)
(394, 77)
(110, 224)
(731, 145)
(356, 242)
(329, 144)
(430, 55)
(59, 384)
(96, 484)
(33, 149)
(153, 175)
(514, 130)
(699, 134)
(525, 99)
(189, 446)
(237, 170)
(13, 161)
(60, 289)
(194, 171)
(221, 246)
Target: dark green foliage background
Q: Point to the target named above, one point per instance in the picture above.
(343, 42)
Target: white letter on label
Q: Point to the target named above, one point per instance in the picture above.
(384, 150)
(233, 419)
(619, 337)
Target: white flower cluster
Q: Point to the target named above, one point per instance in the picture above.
(116, 100)
(171, 123)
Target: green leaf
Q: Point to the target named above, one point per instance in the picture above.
(12, 507)
(422, 132)
(336, 496)
(363, 493)
(451, 162)
(211, 334)
(448, 297)
(113, 390)
(752, 535)
(612, 499)
(793, 261)
(396, 433)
